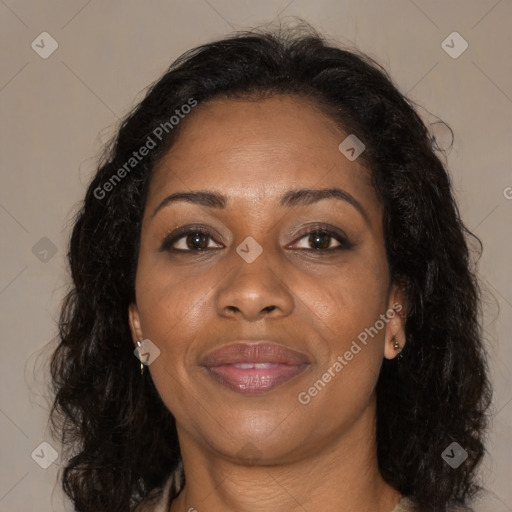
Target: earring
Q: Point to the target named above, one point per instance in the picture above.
(396, 346)
(141, 365)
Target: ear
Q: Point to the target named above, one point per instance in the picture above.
(397, 315)
(135, 326)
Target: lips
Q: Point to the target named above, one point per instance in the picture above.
(254, 367)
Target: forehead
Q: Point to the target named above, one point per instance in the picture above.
(253, 149)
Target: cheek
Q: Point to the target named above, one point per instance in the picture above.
(171, 302)
(349, 351)
(345, 314)
(345, 300)
(172, 316)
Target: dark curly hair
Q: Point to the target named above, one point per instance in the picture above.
(437, 392)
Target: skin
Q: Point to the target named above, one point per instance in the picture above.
(319, 456)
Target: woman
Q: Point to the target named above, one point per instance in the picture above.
(274, 237)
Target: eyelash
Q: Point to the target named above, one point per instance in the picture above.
(171, 239)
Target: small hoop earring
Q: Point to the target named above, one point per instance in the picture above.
(141, 365)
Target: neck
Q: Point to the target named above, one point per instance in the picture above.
(341, 476)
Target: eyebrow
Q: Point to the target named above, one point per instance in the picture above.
(291, 199)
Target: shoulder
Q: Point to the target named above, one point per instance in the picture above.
(407, 505)
(158, 502)
(456, 507)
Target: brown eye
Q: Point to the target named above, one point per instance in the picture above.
(196, 241)
(190, 240)
(321, 240)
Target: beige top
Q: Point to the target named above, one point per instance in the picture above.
(161, 504)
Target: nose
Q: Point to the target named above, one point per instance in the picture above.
(255, 290)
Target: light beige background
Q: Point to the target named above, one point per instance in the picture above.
(57, 112)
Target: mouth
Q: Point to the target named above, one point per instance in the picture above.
(254, 367)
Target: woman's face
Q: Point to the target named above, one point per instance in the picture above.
(286, 305)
